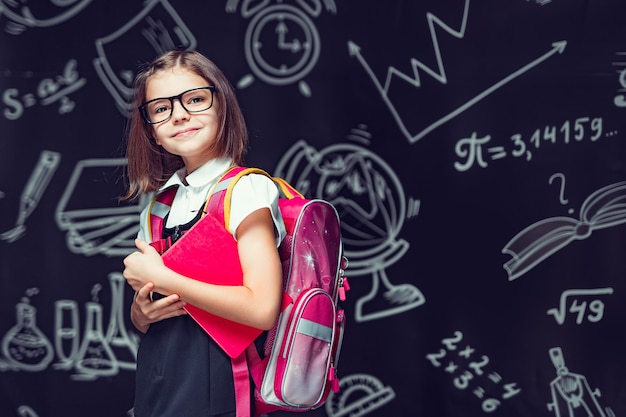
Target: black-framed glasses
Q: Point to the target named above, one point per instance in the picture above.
(195, 100)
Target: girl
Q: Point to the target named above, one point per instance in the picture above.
(187, 130)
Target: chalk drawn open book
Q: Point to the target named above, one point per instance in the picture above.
(604, 208)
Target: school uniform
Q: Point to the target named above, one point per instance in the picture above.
(181, 371)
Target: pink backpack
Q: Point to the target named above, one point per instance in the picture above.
(298, 365)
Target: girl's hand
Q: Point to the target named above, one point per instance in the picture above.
(144, 311)
(143, 266)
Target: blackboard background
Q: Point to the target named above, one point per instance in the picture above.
(444, 218)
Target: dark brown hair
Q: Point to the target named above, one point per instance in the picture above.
(149, 165)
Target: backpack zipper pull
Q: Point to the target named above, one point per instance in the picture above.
(334, 380)
(343, 287)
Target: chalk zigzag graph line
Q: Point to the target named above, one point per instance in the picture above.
(439, 73)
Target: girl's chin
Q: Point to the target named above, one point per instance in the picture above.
(195, 158)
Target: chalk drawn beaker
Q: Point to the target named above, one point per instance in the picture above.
(95, 355)
(66, 337)
(25, 345)
(117, 336)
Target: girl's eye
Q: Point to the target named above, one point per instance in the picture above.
(196, 100)
(160, 107)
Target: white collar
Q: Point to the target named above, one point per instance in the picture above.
(202, 176)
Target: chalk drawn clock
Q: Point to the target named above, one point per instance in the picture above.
(282, 45)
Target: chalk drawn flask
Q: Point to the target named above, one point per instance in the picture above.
(117, 336)
(95, 355)
(25, 345)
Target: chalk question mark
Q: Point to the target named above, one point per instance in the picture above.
(562, 198)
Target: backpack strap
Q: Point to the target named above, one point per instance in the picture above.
(162, 203)
(219, 205)
(241, 378)
(159, 208)
(219, 201)
(286, 190)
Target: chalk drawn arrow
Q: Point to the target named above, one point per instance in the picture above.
(355, 51)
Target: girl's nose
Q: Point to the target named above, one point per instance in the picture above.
(178, 111)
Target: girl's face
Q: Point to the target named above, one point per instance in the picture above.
(189, 135)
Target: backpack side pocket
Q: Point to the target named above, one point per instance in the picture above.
(306, 355)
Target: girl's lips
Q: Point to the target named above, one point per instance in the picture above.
(184, 132)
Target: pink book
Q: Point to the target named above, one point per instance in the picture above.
(208, 253)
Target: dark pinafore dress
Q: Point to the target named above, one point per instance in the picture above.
(181, 371)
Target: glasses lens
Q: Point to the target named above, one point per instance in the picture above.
(193, 101)
(197, 100)
(158, 110)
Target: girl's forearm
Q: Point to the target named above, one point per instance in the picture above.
(237, 303)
